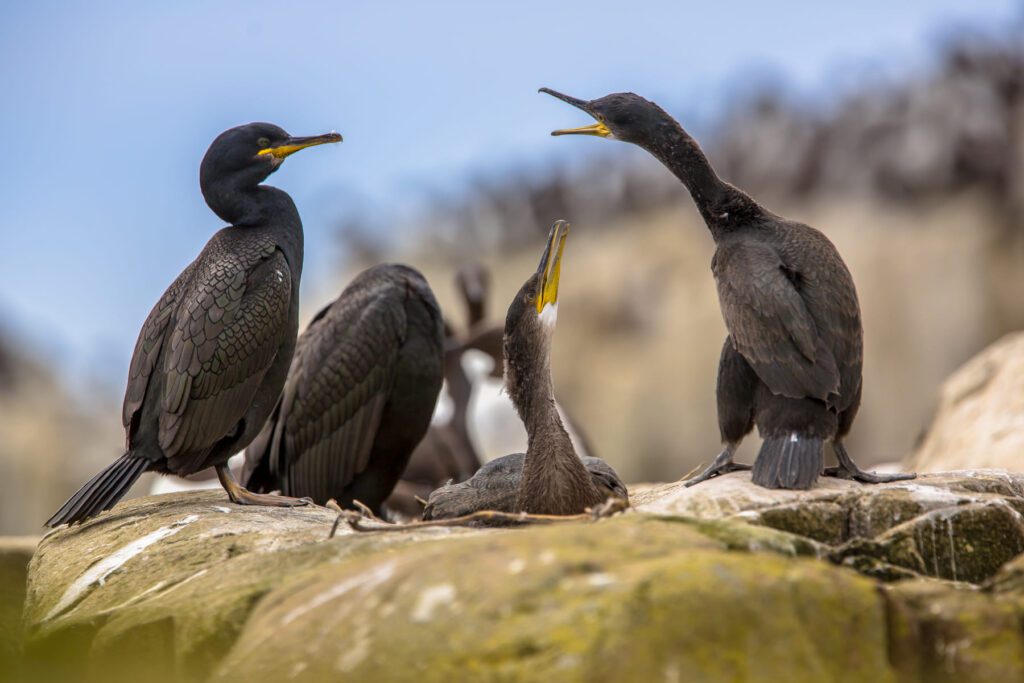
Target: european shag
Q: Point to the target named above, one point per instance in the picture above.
(445, 454)
(496, 485)
(549, 478)
(791, 363)
(359, 395)
(213, 354)
(492, 424)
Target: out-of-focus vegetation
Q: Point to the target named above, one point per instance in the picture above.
(919, 183)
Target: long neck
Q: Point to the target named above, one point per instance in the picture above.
(554, 479)
(544, 430)
(681, 154)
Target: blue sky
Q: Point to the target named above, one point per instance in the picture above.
(108, 108)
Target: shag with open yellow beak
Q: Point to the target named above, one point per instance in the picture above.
(550, 478)
(212, 356)
(548, 273)
(793, 358)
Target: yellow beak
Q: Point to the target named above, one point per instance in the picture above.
(293, 145)
(551, 266)
(598, 129)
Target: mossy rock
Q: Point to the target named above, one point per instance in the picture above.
(15, 553)
(944, 634)
(966, 543)
(627, 599)
(721, 582)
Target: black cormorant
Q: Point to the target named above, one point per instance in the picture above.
(213, 354)
(550, 478)
(792, 360)
(445, 454)
(359, 394)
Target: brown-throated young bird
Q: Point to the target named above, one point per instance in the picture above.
(550, 478)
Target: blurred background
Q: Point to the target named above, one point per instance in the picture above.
(895, 128)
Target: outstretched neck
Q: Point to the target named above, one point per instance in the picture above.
(250, 206)
(719, 203)
(554, 479)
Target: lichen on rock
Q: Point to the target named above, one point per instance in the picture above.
(724, 581)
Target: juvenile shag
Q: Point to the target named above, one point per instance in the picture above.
(550, 478)
(490, 421)
(359, 395)
(213, 354)
(791, 363)
(496, 485)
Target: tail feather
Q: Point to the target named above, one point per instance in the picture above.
(789, 461)
(101, 492)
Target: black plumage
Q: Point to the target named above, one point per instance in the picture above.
(550, 478)
(212, 356)
(792, 361)
(359, 395)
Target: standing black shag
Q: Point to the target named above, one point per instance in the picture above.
(550, 478)
(213, 354)
(792, 360)
(359, 394)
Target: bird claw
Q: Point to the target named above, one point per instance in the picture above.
(864, 477)
(722, 464)
(848, 469)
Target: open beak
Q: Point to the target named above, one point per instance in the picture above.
(293, 145)
(550, 267)
(599, 129)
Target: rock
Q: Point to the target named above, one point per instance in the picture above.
(624, 599)
(15, 553)
(939, 635)
(979, 422)
(910, 581)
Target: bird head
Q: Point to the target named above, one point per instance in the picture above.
(531, 317)
(622, 116)
(248, 154)
(474, 282)
(606, 479)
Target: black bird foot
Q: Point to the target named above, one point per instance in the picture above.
(240, 495)
(722, 464)
(847, 469)
(246, 497)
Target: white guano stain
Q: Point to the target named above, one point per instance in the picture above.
(367, 581)
(355, 655)
(98, 573)
(601, 579)
(430, 599)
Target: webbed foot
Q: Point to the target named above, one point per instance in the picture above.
(722, 464)
(243, 496)
(847, 469)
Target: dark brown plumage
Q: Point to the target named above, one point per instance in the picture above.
(359, 395)
(495, 487)
(212, 356)
(792, 361)
(550, 478)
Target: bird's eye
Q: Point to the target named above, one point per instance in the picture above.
(263, 142)
(529, 297)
